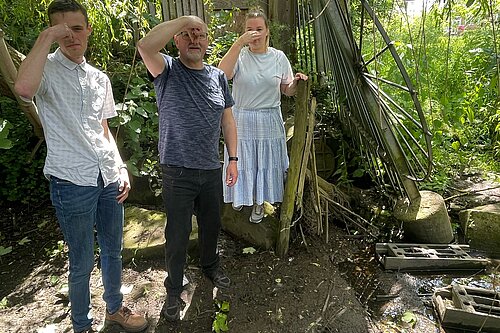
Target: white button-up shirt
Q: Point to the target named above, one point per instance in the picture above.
(72, 101)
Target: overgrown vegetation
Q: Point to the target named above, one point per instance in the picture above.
(451, 53)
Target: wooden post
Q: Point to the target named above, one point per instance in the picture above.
(283, 12)
(296, 154)
(173, 9)
(305, 158)
(314, 172)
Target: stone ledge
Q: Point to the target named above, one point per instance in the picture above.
(144, 234)
(481, 226)
(262, 235)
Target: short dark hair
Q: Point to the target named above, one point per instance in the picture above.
(64, 6)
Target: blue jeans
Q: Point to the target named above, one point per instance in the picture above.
(79, 210)
(188, 191)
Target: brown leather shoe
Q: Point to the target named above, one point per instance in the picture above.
(127, 320)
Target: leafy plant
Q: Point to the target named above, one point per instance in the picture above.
(137, 122)
(4, 303)
(5, 127)
(220, 323)
(222, 29)
(409, 318)
(23, 241)
(54, 280)
(5, 250)
(56, 251)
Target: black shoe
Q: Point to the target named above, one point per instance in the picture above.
(219, 279)
(173, 310)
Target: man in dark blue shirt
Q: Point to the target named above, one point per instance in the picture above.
(194, 103)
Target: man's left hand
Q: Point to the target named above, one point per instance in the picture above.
(124, 187)
(231, 174)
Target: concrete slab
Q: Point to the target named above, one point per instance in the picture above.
(143, 234)
(481, 226)
(404, 257)
(262, 235)
(144, 231)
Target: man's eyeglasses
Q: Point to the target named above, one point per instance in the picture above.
(185, 35)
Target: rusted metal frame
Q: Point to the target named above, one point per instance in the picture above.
(377, 147)
(341, 81)
(366, 63)
(352, 86)
(400, 109)
(389, 115)
(396, 85)
(396, 156)
(388, 110)
(354, 101)
(408, 82)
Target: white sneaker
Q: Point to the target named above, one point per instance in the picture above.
(237, 208)
(257, 213)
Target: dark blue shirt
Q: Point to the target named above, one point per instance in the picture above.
(190, 106)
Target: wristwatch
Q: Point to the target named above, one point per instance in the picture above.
(233, 158)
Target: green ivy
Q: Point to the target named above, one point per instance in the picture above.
(21, 179)
(5, 127)
(136, 126)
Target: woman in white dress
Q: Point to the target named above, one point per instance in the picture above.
(260, 75)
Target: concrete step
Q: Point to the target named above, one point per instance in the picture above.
(481, 226)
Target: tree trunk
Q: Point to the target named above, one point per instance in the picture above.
(10, 60)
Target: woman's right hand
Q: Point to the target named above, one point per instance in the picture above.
(247, 38)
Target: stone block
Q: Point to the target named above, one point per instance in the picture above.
(481, 226)
(144, 234)
(262, 235)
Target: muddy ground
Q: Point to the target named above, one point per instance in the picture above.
(319, 287)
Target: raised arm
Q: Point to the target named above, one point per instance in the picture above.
(30, 71)
(150, 45)
(228, 62)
